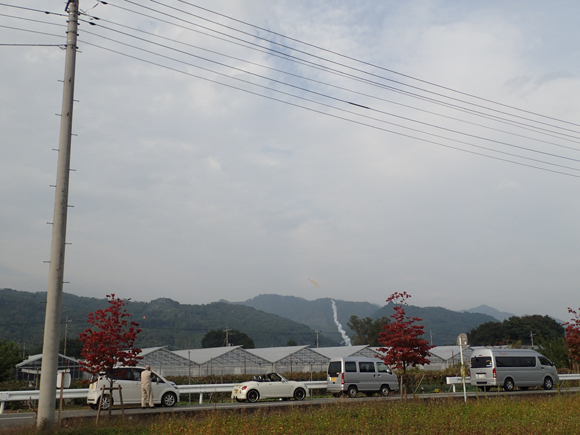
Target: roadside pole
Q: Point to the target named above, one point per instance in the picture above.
(47, 392)
(462, 342)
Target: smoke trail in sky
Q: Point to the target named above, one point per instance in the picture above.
(338, 325)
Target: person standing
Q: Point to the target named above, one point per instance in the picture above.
(146, 389)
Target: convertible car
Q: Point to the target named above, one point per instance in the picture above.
(270, 386)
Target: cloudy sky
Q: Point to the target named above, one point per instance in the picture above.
(215, 159)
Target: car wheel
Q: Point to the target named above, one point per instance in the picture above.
(106, 402)
(385, 391)
(508, 384)
(253, 396)
(352, 391)
(548, 383)
(299, 394)
(169, 399)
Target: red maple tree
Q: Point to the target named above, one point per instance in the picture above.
(573, 337)
(403, 345)
(110, 341)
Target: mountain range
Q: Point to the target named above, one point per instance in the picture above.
(270, 320)
(442, 326)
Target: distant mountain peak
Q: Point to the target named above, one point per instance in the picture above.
(490, 311)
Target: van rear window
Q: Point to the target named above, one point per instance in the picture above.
(334, 368)
(480, 362)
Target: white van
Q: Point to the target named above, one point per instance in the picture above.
(369, 375)
(165, 393)
(511, 368)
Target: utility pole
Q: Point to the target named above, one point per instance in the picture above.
(47, 396)
(66, 322)
(227, 331)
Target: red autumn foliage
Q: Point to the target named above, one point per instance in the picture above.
(403, 345)
(109, 342)
(573, 337)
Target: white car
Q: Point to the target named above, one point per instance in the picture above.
(270, 386)
(165, 393)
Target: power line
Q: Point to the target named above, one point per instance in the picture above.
(363, 62)
(344, 74)
(34, 10)
(311, 80)
(366, 72)
(344, 101)
(336, 116)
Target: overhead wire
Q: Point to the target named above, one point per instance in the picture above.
(344, 118)
(332, 98)
(367, 63)
(312, 80)
(344, 74)
(334, 107)
(273, 42)
(359, 70)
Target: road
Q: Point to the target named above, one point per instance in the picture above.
(28, 418)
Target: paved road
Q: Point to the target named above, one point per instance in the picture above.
(28, 418)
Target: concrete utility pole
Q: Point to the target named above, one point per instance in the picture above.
(47, 397)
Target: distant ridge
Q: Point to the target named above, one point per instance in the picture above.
(316, 314)
(165, 322)
(490, 311)
(442, 326)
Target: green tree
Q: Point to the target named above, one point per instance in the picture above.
(217, 338)
(555, 350)
(74, 347)
(291, 343)
(516, 329)
(366, 330)
(9, 356)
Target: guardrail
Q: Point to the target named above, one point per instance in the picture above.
(81, 393)
(454, 380)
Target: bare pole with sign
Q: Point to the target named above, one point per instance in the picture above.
(462, 343)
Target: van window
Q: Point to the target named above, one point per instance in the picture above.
(515, 361)
(350, 367)
(366, 367)
(334, 368)
(545, 361)
(383, 368)
(480, 362)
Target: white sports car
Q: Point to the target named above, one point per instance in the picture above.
(270, 386)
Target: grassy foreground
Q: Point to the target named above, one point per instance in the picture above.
(497, 415)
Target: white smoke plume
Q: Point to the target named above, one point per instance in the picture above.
(345, 338)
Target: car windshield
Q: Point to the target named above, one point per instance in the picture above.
(275, 377)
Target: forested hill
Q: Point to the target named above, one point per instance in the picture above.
(317, 314)
(442, 324)
(164, 322)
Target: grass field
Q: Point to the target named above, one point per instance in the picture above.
(512, 415)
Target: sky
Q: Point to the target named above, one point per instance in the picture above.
(215, 164)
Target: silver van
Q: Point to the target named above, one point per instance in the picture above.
(511, 368)
(368, 375)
